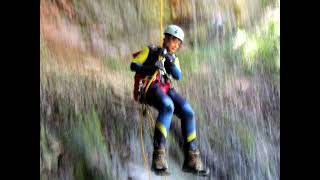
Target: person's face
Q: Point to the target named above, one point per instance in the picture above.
(172, 44)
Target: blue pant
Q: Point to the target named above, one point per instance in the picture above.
(167, 105)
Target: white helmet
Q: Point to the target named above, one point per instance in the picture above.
(175, 31)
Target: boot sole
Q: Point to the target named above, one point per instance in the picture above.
(160, 172)
(195, 172)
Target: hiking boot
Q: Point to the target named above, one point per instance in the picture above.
(159, 162)
(193, 164)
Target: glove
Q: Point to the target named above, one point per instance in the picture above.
(170, 57)
(159, 65)
(162, 52)
(169, 60)
(162, 69)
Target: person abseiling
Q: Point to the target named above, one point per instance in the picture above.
(162, 96)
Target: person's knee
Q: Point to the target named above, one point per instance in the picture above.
(188, 111)
(168, 105)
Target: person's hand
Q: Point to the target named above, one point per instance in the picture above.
(163, 52)
(170, 57)
(169, 60)
(159, 65)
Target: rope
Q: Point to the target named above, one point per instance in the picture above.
(144, 107)
(145, 160)
(161, 42)
(161, 30)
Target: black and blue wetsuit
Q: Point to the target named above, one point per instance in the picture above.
(168, 103)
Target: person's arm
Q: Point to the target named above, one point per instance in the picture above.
(174, 68)
(137, 63)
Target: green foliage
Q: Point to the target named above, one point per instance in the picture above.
(216, 138)
(269, 46)
(246, 138)
(260, 50)
(200, 34)
(191, 61)
(228, 52)
(114, 64)
(88, 142)
(46, 154)
(86, 135)
(80, 171)
(199, 111)
(188, 61)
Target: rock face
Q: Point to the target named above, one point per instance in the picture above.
(89, 122)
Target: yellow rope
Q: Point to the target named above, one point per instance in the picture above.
(145, 160)
(161, 42)
(150, 81)
(151, 120)
(161, 30)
